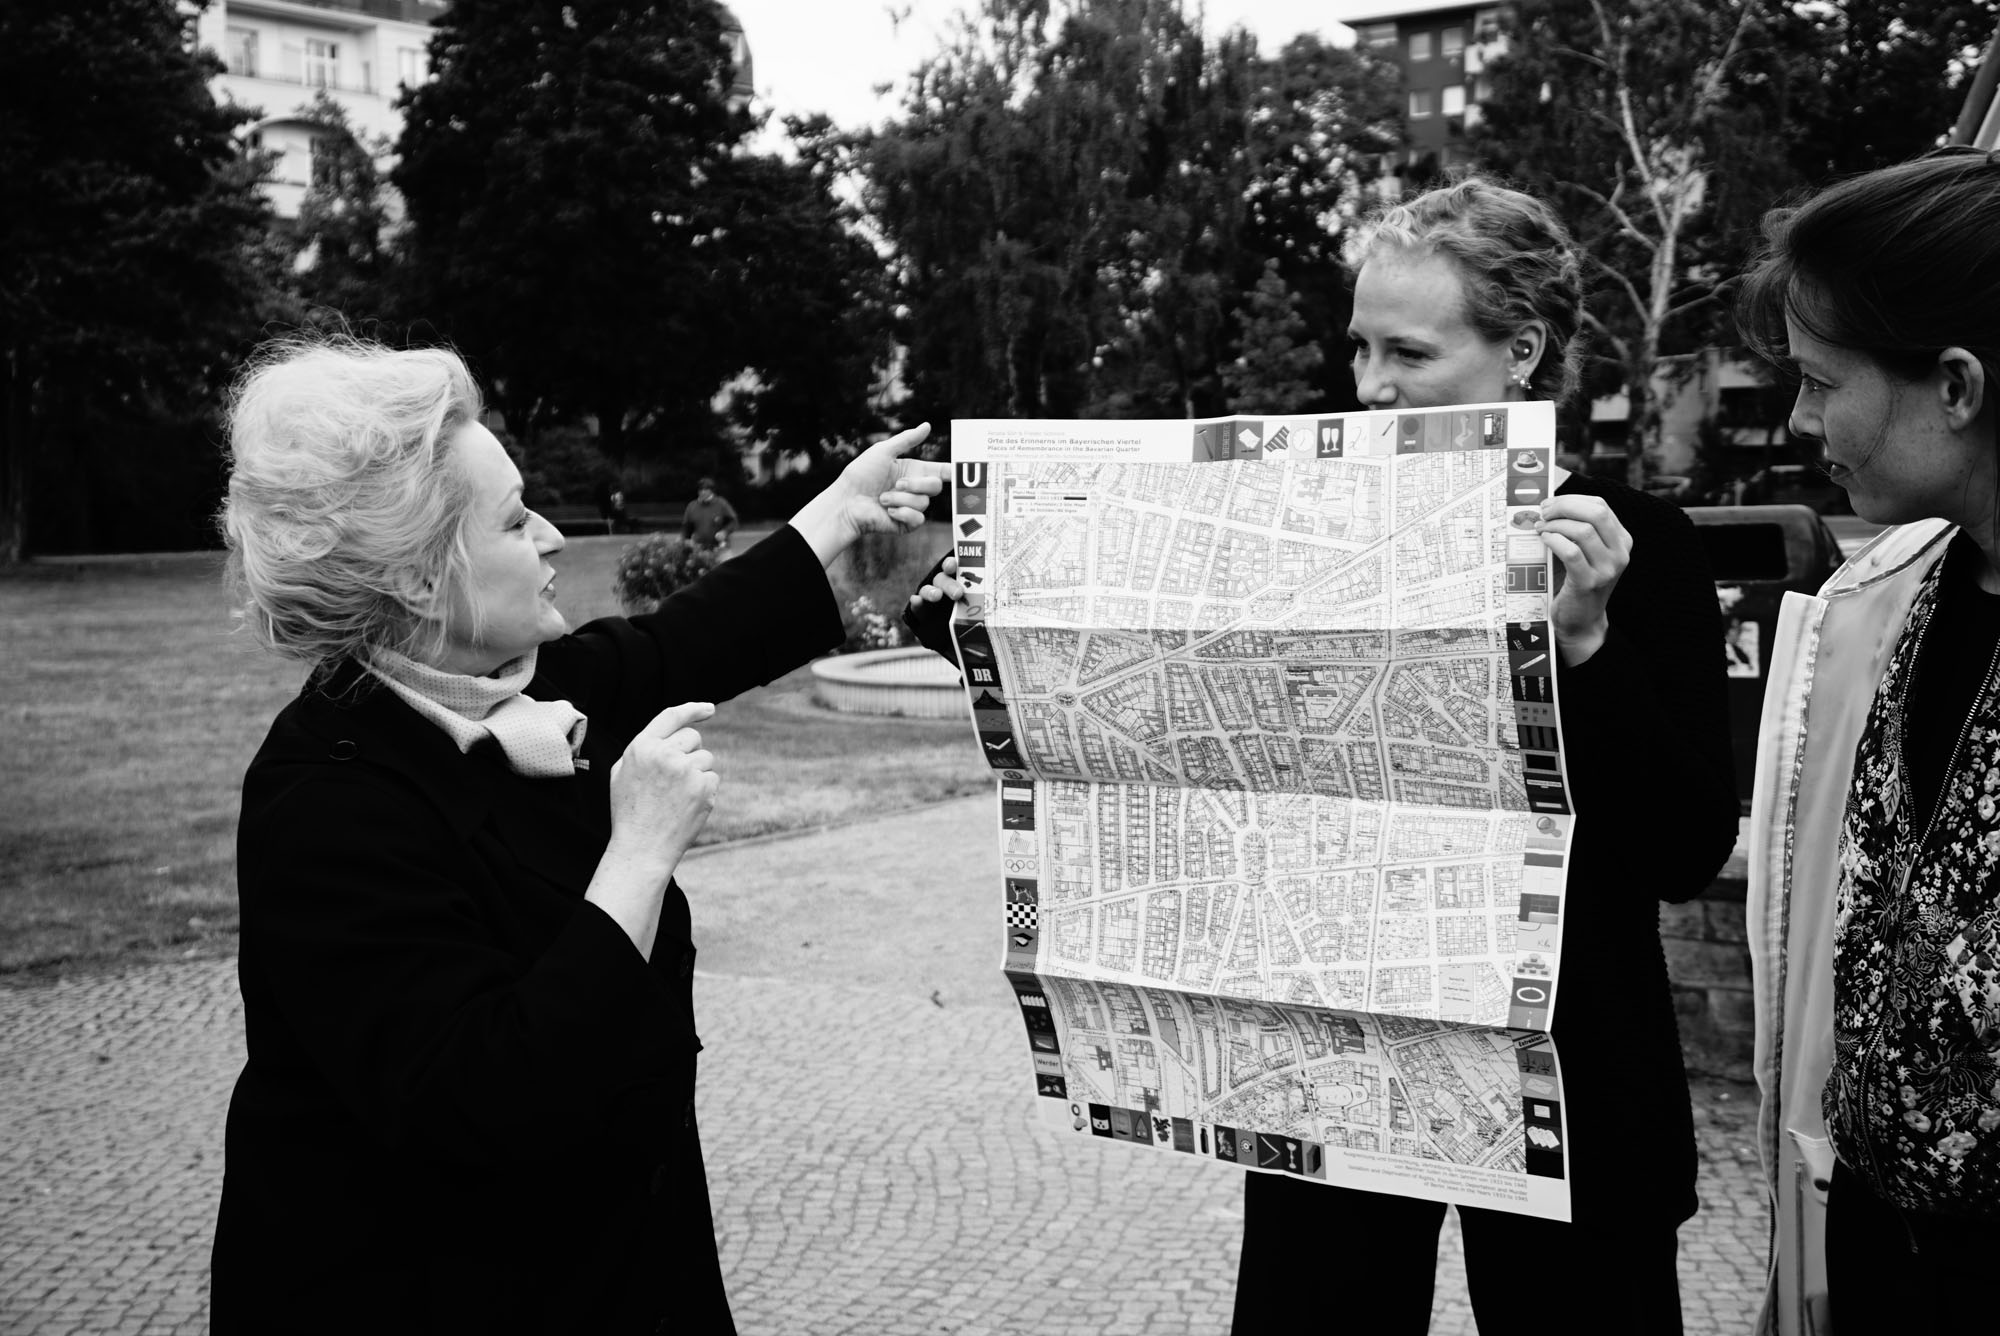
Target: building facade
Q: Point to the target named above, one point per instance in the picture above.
(1442, 51)
(281, 54)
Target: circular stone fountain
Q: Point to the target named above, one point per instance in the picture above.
(913, 682)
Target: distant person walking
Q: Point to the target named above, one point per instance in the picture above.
(467, 970)
(1874, 904)
(611, 507)
(709, 521)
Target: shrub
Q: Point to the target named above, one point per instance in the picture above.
(875, 578)
(868, 627)
(654, 567)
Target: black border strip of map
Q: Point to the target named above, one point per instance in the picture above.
(1531, 676)
(1017, 795)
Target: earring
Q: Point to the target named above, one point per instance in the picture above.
(1521, 378)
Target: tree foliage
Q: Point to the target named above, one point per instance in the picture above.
(1663, 129)
(1079, 195)
(1885, 79)
(127, 228)
(585, 226)
(1273, 372)
(1656, 127)
(816, 293)
(340, 256)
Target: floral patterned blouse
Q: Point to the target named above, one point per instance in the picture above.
(1913, 1100)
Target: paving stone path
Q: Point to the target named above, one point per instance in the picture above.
(873, 1159)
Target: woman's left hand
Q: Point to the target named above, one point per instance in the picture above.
(1594, 549)
(880, 491)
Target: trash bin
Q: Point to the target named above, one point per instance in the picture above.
(1756, 553)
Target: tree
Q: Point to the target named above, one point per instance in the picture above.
(1654, 126)
(341, 262)
(817, 292)
(126, 231)
(1273, 373)
(583, 225)
(1079, 196)
(1327, 117)
(1883, 79)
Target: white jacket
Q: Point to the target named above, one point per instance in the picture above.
(1827, 657)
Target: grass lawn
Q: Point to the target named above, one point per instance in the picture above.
(130, 710)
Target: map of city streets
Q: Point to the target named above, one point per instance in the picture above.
(1284, 816)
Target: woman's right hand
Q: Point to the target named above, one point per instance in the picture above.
(943, 587)
(663, 788)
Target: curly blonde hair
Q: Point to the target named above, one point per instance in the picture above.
(1518, 261)
(346, 510)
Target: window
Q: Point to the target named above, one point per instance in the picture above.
(409, 66)
(1482, 89)
(1376, 35)
(1454, 100)
(322, 63)
(1451, 44)
(1420, 45)
(1421, 103)
(240, 51)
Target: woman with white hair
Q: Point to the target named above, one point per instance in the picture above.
(466, 967)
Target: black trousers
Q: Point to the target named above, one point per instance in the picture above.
(1527, 1276)
(1894, 1270)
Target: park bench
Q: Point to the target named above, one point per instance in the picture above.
(643, 517)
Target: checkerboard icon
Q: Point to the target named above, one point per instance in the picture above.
(1022, 916)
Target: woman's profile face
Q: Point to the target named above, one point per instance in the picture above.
(1884, 439)
(1413, 346)
(510, 582)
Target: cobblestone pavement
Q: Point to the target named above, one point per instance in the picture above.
(871, 1148)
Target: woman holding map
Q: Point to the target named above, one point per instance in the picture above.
(1472, 294)
(1875, 834)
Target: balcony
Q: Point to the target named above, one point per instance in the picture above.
(336, 81)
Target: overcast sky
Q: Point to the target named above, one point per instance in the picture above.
(829, 55)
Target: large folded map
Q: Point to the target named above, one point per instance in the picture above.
(1284, 816)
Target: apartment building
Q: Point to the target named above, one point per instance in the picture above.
(1443, 51)
(280, 54)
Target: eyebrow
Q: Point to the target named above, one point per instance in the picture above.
(1409, 340)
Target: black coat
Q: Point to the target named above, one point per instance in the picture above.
(1645, 727)
(469, 1101)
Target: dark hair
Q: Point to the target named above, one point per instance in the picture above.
(1898, 264)
(1519, 264)
(703, 484)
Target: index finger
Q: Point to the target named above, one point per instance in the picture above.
(904, 441)
(676, 717)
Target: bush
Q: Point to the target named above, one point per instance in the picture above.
(868, 627)
(875, 578)
(654, 567)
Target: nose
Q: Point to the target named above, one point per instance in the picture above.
(1371, 386)
(549, 540)
(1802, 421)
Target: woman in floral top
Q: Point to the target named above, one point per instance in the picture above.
(1877, 825)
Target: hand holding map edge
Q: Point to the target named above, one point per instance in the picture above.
(1594, 548)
